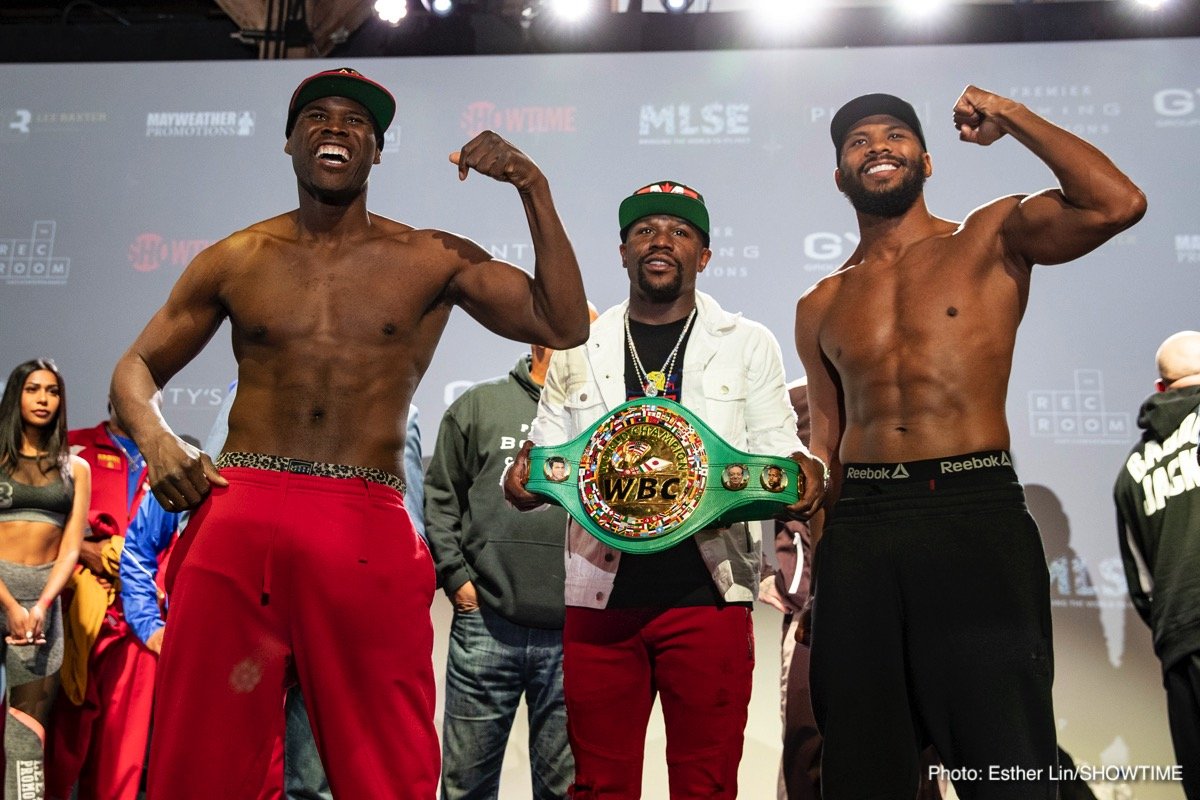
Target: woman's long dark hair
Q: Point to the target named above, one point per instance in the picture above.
(12, 426)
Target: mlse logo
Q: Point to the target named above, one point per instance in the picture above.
(711, 119)
(1177, 106)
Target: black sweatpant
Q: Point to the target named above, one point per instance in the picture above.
(931, 625)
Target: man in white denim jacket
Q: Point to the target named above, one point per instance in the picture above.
(676, 623)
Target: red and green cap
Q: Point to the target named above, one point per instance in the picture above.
(344, 82)
(664, 197)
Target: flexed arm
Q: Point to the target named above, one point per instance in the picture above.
(1093, 202)
(548, 309)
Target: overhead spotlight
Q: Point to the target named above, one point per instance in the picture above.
(441, 7)
(571, 10)
(1152, 5)
(391, 11)
(676, 6)
(920, 8)
(787, 12)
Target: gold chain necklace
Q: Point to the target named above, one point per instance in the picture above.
(655, 382)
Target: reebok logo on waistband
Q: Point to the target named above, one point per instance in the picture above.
(877, 473)
(974, 462)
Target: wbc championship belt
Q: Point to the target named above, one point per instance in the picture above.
(651, 473)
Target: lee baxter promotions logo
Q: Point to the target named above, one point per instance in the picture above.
(485, 115)
(18, 124)
(32, 260)
(1078, 415)
(199, 124)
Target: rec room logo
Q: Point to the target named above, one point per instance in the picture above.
(694, 124)
(485, 115)
(32, 260)
(1077, 415)
(199, 124)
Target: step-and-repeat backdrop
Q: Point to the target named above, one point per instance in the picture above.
(113, 177)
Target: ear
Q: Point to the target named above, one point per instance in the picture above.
(928, 162)
(622, 250)
(287, 145)
(837, 179)
(378, 155)
(705, 255)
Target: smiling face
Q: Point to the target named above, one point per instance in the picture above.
(663, 255)
(40, 398)
(333, 147)
(883, 167)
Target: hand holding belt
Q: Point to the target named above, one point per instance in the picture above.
(652, 473)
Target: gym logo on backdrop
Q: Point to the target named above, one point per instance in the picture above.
(1076, 107)
(32, 260)
(485, 115)
(1078, 415)
(151, 251)
(694, 123)
(1177, 108)
(199, 124)
(825, 251)
(18, 124)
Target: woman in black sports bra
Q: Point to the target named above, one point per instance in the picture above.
(44, 495)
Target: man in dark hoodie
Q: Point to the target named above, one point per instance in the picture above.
(503, 572)
(1158, 520)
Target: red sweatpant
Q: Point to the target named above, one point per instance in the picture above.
(102, 743)
(283, 577)
(700, 662)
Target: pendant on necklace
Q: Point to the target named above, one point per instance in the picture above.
(655, 383)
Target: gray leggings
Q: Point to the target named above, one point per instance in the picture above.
(31, 662)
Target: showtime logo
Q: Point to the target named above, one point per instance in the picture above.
(150, 252)
(485, 115)
(32, 260)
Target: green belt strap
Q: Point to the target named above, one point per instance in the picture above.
(652, 473)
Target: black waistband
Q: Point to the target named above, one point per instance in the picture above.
(949, 468)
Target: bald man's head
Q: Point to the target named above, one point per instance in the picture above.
(1178, 360)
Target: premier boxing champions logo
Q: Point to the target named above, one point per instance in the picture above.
(712, 123)
(1075, 107)
(32, 260)
(1077, 415)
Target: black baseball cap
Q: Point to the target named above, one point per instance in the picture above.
(868, 105)
(665, 197)
(344, 82)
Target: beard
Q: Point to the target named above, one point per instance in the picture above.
(663, 291)
(889, 203)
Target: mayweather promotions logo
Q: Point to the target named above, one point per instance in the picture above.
(643, 472)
